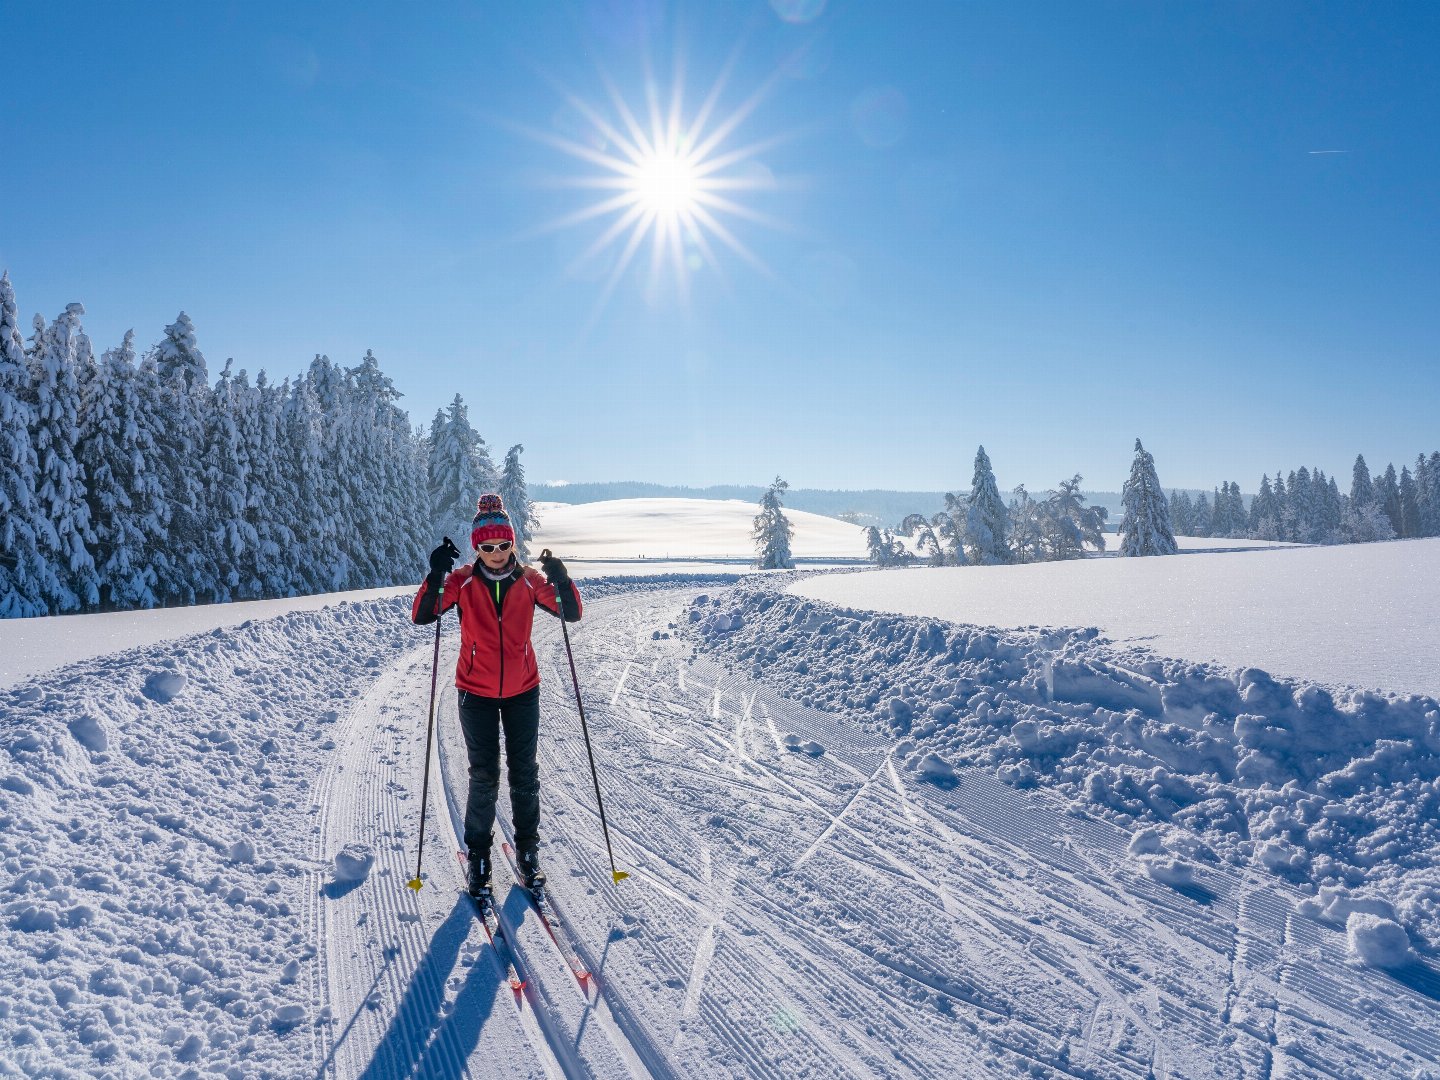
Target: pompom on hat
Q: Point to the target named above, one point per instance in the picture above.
(491, 522)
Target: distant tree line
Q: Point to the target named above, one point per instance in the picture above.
(1307, 507)
(132, 482)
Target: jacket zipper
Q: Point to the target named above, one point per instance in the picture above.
(500, 624)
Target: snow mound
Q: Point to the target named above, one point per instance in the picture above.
(165, 686)
(1378, 942)
(353, 862)
(931, 766)
(802, 745)
(1168, 870)
(90, 733)
(140, 937)
(1320, 786)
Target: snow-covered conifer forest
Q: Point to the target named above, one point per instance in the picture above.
(1305, 506)
(130, 480)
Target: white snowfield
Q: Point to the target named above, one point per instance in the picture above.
(693, 528)
(1359, 615)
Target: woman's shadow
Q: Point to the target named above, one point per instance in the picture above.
(423, 1040)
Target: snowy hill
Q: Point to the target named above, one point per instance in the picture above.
(682, 528)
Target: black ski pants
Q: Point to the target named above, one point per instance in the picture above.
(482, 719)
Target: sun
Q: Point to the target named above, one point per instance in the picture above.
(673, 182)
(666, 185)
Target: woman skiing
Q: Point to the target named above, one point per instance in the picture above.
(498, 680)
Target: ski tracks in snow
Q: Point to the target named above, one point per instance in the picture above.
(800, 904)
(879, 925)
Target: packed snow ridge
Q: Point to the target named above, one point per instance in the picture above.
(1337, 790)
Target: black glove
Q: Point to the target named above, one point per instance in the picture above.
(555, 571)
(442, 560)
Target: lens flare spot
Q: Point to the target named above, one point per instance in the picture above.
(799, 12)
(880, 116)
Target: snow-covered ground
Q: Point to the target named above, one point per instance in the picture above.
(690, 528)
(1360, 614)
(205, 843)
(861, 844)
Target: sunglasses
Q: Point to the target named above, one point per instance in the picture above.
(503, 545)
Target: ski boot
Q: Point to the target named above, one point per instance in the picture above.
(531, 876)
(478, 881)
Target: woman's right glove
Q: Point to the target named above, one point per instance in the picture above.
(442, 560)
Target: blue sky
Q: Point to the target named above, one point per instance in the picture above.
(1047, 228)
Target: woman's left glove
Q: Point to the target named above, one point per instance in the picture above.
(555, 571)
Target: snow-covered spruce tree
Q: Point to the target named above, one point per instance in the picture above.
(307, 496)
(1239, 513)
(1068, 524)
(516, 498)
(986, 521)
(341, 452)
(378, 431)
(1409, 505)
(1027, 527)
(1145, 528)
(266, 569)
(950, 529)
(226, 469)
(1200, 515)
(1427, 483)
(1301, 509)
(458, 472)
(1179, 512)
(1387, 489)
(918, 528)
(884, 548)
(116, 449)
(60, 483)
(1332, 509)
(1362, 488)
(182, 376)
(1282, 506)
(772, 531)
(26, 578)
(413, 501)
(1264, 522)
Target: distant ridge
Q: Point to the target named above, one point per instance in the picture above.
(871, 506)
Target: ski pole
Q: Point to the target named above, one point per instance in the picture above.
(415, 882)
(616, 876)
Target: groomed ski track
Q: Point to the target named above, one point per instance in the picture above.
(797, 914)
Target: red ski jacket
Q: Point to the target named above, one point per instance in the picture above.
(496, 659)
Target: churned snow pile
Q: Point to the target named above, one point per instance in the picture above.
(660, 528)
(1356, 614)
(1334, 789)
(150, 806)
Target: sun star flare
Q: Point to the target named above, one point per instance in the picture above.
(673, 184)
